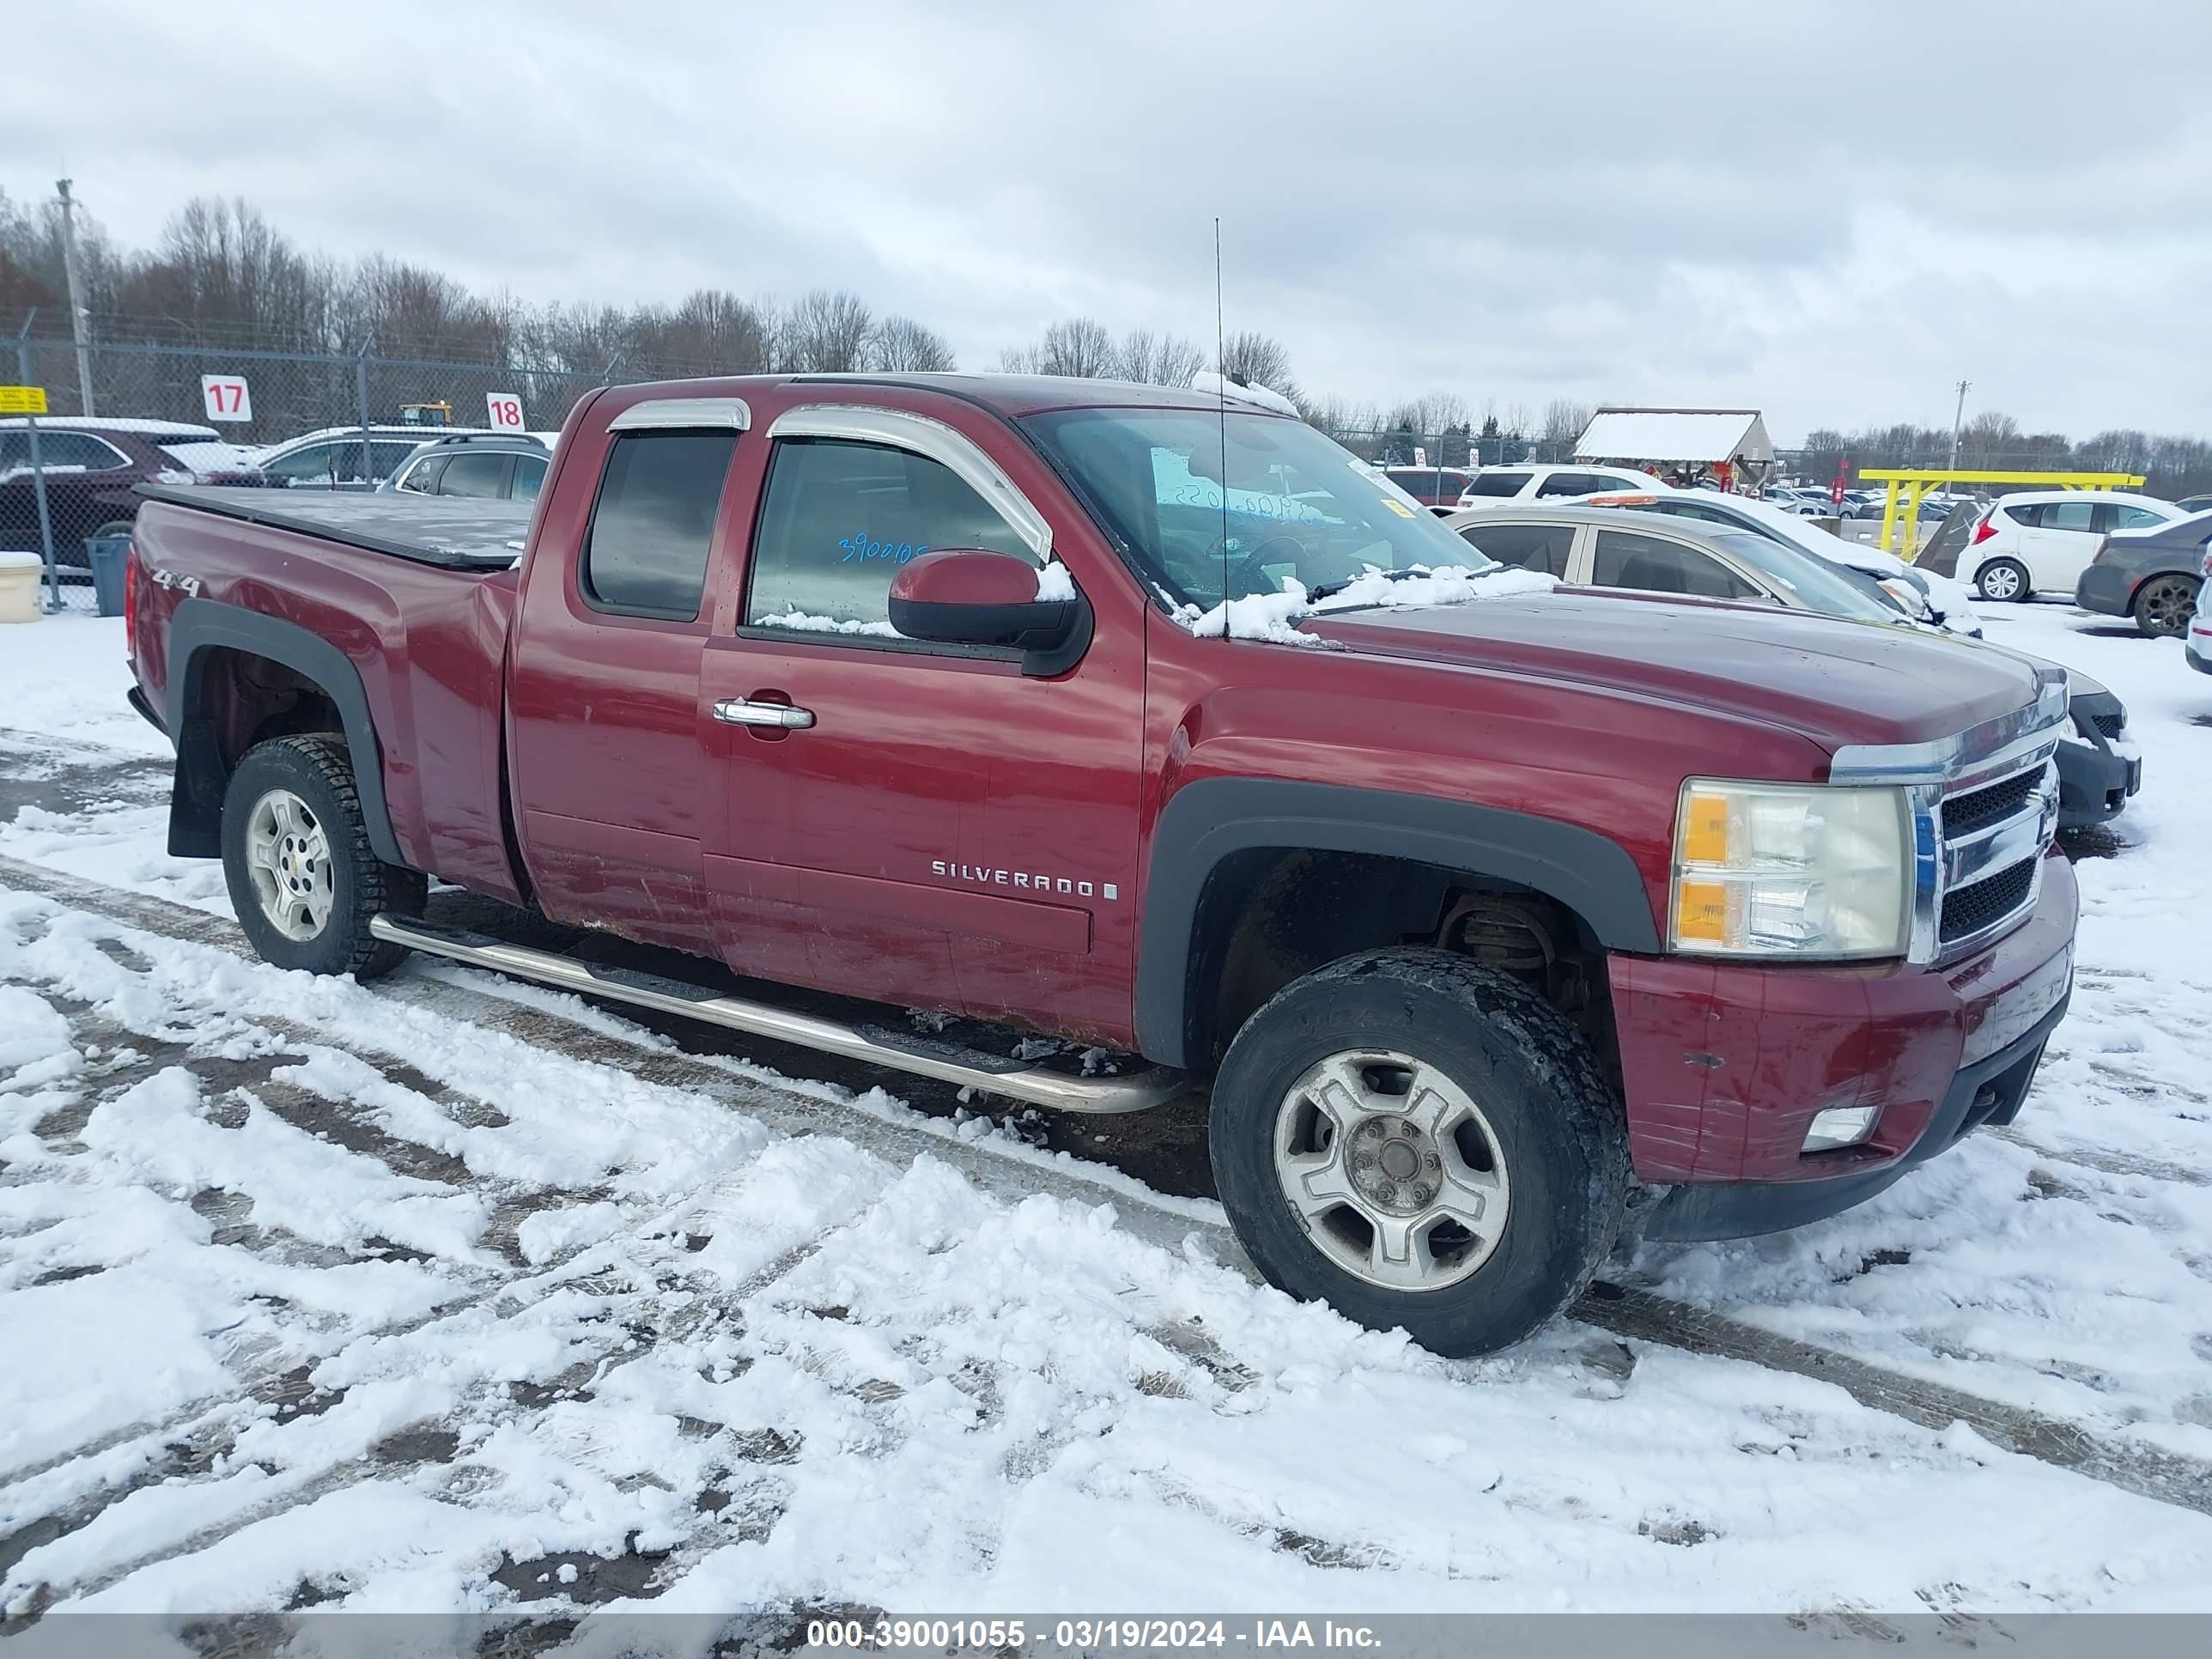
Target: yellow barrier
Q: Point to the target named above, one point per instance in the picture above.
(1915, 484)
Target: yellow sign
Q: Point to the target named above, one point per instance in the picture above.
(22, 400)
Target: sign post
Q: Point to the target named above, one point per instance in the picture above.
(227, 397)
(30, 402)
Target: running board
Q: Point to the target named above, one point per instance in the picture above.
(879, 1046)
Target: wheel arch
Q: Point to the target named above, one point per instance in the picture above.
(1214, 835)
(204, 634)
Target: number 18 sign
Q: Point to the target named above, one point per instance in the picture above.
(506, 411)
(227, 397)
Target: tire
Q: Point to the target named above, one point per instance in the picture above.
(2004, 581)
(294, 797)
(1551, 1130)
(2163, 605)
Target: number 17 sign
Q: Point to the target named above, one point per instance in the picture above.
(506, 411)
(227, 397)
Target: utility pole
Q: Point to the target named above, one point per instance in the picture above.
(1958, 419)
(78, 319)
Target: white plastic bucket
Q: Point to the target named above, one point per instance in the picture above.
(20, 573)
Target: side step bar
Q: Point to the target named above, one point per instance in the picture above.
(897, 1051)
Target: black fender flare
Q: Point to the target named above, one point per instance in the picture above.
(1208, 821)
(196, 804)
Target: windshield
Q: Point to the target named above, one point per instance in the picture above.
(1288, 505)
(1815, 585)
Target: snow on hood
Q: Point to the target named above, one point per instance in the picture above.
(1206, 382)
(1275, 616)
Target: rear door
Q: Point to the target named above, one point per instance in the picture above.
(943, 831)
(2063, 542)
(605, 728)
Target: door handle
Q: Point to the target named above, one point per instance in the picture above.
(743, 711)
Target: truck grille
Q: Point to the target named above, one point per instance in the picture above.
(1970, 909)
(1979, 808)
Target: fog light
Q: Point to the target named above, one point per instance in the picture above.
(1840, 1125)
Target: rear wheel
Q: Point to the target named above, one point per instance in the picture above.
(2002, 579)
(2163, 606)
(1421, 1142)
(303, 879)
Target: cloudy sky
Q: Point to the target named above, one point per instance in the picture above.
(1831, 211)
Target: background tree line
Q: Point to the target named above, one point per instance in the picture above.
(221, 274)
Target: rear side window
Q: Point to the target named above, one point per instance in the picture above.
(654, 522)
(1570, 484)
(422, 478)
(529, 477)
(838, 520)
(77, 449)
(1540, 547)
(2134, 518)
(2025, 513)
(1498, 483)
(477, 474)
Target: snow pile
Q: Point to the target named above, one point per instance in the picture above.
(1274, 616)
(799, 622)
(1055, 584)
(1206, 383)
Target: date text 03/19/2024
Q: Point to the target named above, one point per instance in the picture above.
(1083, 1635)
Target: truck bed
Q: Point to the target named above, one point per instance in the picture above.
(454, 532)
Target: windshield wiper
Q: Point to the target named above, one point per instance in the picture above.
(1329, 590)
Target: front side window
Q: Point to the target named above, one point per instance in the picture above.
(1245, 505)
(1540, 547)
(654, 522)
(838, 520)
(79, 449)
(1651, 565)
(1832, 590)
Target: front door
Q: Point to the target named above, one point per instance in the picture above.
(938, 829)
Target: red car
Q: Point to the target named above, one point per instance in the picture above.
(92, 469)
(1471, 904)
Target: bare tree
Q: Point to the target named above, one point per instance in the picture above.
(1021, 360)
(1157, 359)
(826, 333)
(1565, 421)
(899, 345)
(1251, 358)
(1079, 346)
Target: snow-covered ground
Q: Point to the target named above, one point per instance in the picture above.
(444, 1295)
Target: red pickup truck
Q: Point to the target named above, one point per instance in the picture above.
(1142, 719)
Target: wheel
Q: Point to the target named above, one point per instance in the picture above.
(296, 855)
(1419, 1141)
(2002, 579)
(2163, 605)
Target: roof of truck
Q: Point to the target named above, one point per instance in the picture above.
(1006, 394)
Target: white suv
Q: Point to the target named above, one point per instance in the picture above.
(2045, 538)
(1493, 484)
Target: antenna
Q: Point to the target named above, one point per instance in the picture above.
(1221, 413)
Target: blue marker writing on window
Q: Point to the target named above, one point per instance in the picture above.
(857, 549)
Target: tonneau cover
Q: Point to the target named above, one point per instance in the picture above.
(459, 532)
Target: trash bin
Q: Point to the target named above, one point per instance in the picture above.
(109, 555)
(18, 587)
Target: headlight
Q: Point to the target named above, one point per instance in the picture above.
(1909, 599)
(1790, 870)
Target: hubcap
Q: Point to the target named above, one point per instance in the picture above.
(2002, 583)
(1392, 1169)
(2167, 605)
(288, 859)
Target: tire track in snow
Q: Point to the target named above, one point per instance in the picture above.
(1007, 1171)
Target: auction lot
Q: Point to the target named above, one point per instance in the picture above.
(457, 1292)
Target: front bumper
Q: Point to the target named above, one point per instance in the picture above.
(1725, 1064)
(2106, 587)
(2096, 776)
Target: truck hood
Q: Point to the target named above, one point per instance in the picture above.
(1832, 682)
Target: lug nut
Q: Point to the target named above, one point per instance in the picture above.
(1424, 1195)
(1431, 1163)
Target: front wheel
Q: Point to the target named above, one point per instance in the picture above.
(296, 855)
(2163, 606)
(2003, 580)
(1421, 1142)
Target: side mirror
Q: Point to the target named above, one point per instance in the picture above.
(971, 596)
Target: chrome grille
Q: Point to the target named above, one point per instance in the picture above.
(1993, 836)
(1981, 907)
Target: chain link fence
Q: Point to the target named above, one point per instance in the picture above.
(67, 479)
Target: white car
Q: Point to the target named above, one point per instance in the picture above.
(2042, 540)
(331, 459)
(1493, 484)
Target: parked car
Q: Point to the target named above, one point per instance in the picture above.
(2041, 541)
(1544, 483)
(2198, 646)
(1698, 555)
(2152, 575)
(488, 467)
(1920, 594)
(94, 466)
(2194, 504)
(933, 696)
(1431, 486)
(331, 459)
